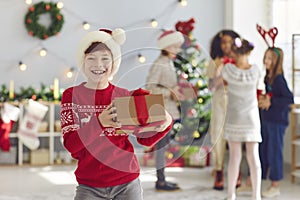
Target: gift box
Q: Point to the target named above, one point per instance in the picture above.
(140, 109)
(196, 156)
(176, 162)
(200, 158)
(39, 157)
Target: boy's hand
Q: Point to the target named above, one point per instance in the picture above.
(108, 117)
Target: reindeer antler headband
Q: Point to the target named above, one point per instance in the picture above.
(267, 35)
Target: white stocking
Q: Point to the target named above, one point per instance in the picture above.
(255, 168)
(28, 128)
(235, 157)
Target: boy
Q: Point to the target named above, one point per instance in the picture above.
(107, 166)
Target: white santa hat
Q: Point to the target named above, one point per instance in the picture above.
(111, 38)
(168, 38)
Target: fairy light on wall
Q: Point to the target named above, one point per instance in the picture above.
(22, 66)
(70, 73)
(183, 2)
(43, 52)
(28, 2)
(86, 25)
(59, 5)
(141, 58)
(154, 23)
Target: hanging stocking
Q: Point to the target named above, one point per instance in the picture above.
(9, 114)
(28, 128)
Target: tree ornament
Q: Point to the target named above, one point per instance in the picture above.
(192, 113)
(196, 134)
(38, 30)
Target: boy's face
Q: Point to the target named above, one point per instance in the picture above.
(98, 66)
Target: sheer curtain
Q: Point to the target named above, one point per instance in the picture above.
(286, 17)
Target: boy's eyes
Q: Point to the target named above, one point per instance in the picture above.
(93, 58)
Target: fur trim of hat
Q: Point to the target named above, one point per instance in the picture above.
(168, 38)
(112, 39)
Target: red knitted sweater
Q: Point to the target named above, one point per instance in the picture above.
(105, 158)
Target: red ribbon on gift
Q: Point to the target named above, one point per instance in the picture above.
(141, 105)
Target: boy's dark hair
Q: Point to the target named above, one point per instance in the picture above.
(215, 46)
(241, 46)
(96, 46)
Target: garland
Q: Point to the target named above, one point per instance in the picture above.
(45, 93)
(38, 30)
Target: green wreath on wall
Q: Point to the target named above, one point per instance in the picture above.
(38, 30)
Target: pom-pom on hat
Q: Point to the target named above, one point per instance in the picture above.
(111, 38)
(168, 38)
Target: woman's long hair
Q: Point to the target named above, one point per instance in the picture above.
(276, 66)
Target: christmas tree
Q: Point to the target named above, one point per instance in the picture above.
(190, 65)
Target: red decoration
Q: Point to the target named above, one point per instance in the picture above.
(185, 27)
(271, 33)
(47, 7)
(192, 113)
(5, 129)
(59, 17)
(228, 60)
(31, 9)
(46, 36)
(28, 21)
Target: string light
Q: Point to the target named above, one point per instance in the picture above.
(70, 72)
(86, 25)
(28, 2)
(43, 52)
(183, 2)
(154, 23)
(22, 66)
(60, 5)
(141, 58)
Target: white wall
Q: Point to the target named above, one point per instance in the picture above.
(133, 16)
(246, 14)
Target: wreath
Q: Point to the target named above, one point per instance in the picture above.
(38, 30)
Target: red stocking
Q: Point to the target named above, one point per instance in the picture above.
(5, 129)
(9, 114)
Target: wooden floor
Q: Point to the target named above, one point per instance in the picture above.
(57, 182)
